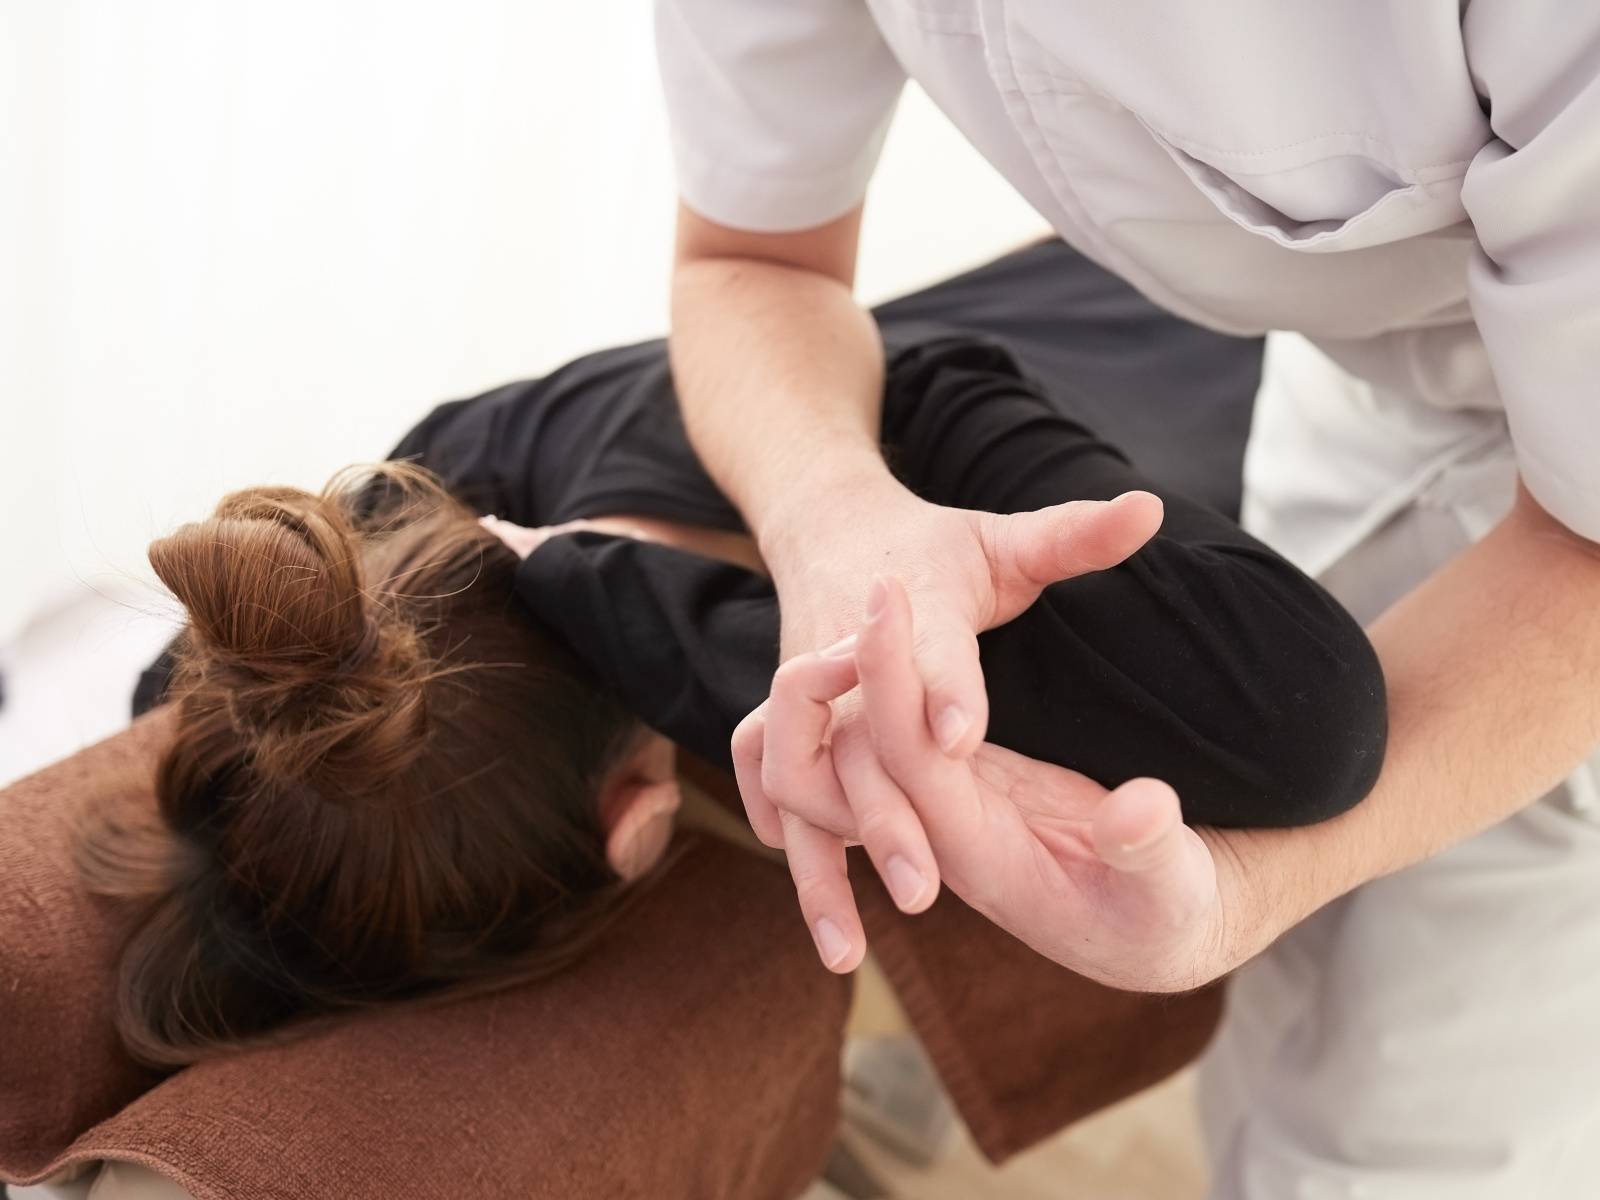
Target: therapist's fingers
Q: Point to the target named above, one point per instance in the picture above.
(747, 747)
(822, 884)
(957, 702)
(796, 769)
(939, 788)
(882, 819)
(886, 824)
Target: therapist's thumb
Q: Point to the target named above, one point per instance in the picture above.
(1139, 827)
(1033, 549)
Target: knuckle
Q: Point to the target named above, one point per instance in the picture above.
(896, 758)
(789, 677)
(847, 711)
(800, 799)
(811, 887)
(876, 824)
(947, 649)
(776, 781)
(850, 741)
(999, 536)
(747, 739)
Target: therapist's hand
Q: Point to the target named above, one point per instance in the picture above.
(964, 572)
(1109, 883)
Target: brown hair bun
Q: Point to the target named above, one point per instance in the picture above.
(326, 684)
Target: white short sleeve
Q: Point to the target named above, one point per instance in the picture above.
(1534, 198)
(778, 108)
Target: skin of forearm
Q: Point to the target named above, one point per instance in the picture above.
(1493, 672)
(780, 377)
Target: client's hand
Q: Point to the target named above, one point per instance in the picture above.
(524, 540)
(1109, 883)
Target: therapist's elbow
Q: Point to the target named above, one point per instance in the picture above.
(1529, 518)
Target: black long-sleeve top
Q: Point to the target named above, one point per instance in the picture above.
(1206, 659)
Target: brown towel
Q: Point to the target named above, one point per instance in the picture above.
(1025, 1047)
(61, 1066)
(694, 1053)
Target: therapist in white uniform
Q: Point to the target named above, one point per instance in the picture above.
(1414, 187)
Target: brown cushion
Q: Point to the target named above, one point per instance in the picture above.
(63, 1068)
(612, 1080)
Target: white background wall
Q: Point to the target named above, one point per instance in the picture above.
(247, 242)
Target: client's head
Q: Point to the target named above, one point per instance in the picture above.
(384, 780)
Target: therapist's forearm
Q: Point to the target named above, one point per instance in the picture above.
(779, 371)
(1493, 671)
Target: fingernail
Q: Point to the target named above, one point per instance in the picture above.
(949, 726)
(906, 883)
(1146, 843)
(831, 943)
(876, 595)
(840, 649)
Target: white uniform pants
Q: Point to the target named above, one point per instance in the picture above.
(1437, 1032)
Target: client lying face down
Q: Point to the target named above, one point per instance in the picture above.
(406, 763)
(385, 779)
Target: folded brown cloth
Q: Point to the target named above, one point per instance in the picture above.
(61, 1066)
(694, 1052)
(1023, 1046)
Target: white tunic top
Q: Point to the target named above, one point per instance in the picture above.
(1414, 184)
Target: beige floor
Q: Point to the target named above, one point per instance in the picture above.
(1143, 1149)
(1146, 1148)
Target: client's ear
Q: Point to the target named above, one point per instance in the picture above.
(638, 801)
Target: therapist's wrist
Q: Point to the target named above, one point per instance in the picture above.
(821, 497)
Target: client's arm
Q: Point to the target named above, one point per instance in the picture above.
(1205, 658)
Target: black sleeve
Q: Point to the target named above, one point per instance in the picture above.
(600, 435)
(1205, 660)
(463, 442)
(687, 644)
(150, 690)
